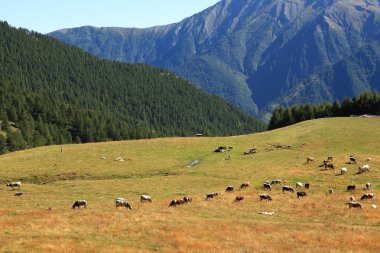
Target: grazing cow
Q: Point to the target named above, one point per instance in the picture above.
(309, 159)
(369, 159)
(267, 213)
(330, 191)
(352, 199)
(19, 194)
(328, 165)
(367, 196)
(230, 189)
(239, 198)
(122, 202)
(351, 188)
(245, 185)
(14, 185)
(145, 198)
(367, 186)
(176, 202)
(267, 186)
(221, 149)
(354, 205)
(287, 188)
(212, 195)
(299, 184)
(173, 203)
(80, 203)
(301, 194)
(343, 171)
(277, 181)
(251, 151)
(188, 199)
(307, 186)
(352, 159)
(266, 197)
(363, 169)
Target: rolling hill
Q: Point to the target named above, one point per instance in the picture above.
(55, 93)
(257, 53)
(319, 222)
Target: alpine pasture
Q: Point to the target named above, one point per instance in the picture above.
(42, 220)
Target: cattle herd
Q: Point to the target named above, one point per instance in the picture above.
(266, 186)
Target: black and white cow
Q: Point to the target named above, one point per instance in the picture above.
(230, 189)
(287, 189)
(212, 195)
(265, 197)
(14, 185)
(354, 205)
(80, 203)
(277, 181)
(122, 202)
(267, 186)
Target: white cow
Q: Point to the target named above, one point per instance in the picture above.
(363, 169)
(145, 198)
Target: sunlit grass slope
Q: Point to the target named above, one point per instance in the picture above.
(55, 177)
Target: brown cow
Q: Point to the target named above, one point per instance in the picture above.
(245, 185)
(265, 197)
(177, 202)
(367, 196)
(239, 198)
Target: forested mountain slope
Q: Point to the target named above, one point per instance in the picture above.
(257, 53)
(52, 93)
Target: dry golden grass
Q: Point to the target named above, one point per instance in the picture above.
(318, 223)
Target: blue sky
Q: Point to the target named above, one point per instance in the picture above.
(48, 15)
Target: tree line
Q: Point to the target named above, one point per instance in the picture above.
(366, 103)
(52, 93)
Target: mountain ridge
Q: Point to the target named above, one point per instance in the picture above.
(249, 52)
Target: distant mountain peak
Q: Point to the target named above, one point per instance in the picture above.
(254, 53)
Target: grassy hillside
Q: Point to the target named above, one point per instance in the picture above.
(320, 222)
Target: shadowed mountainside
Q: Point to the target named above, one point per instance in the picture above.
(257, 53)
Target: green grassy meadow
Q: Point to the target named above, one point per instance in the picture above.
(318, 223)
